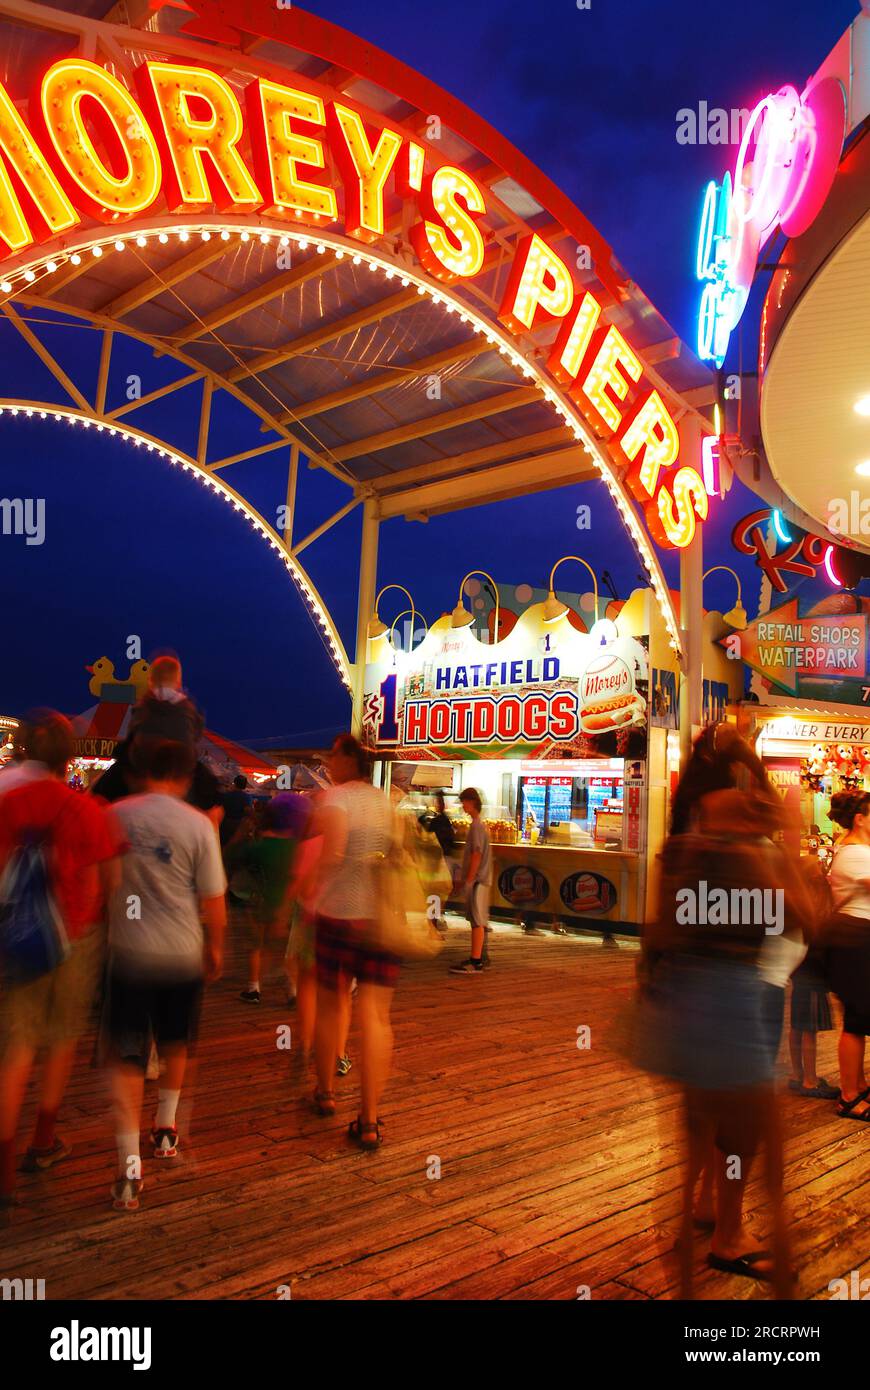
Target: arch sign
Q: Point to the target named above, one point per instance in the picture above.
(183, 141)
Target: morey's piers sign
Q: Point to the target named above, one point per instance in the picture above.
(185, 143)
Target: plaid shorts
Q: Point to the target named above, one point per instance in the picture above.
(340, 952)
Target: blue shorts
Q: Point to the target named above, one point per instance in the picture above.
(705, 1024)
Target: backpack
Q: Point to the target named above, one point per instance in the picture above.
(33, 938)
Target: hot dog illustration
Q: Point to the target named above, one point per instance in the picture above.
(608, 699)
(587, 894)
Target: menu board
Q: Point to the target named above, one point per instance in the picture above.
(608, 825)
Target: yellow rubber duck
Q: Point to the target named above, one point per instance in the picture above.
(102, 673)
(138, 677)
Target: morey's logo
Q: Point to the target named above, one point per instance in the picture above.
(76, 1343)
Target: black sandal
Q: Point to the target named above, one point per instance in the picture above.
(366, 1136)
(746, 1265)
(845, 1108)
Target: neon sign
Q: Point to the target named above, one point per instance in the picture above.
(96, 150)
(601, 372)
(798, 140)
(803, 555)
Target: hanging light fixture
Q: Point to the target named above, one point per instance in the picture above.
(737, 618)
(376, 628)
(415, 617)
(460, 617)
(554, 608)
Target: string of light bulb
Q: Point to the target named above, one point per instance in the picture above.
(312, 599)
(359, 254)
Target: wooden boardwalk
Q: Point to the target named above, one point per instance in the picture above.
(559, 1166)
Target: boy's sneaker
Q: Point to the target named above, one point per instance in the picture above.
(467, 967)
(250, 996)
(126, 1193)
(165, 1142)
(37, 1160)
(343, 1066)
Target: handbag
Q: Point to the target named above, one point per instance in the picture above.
(402, 926)
(435, 876)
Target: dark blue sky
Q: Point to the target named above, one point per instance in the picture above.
(134, 547)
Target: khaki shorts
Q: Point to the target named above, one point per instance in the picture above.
(55, 1008)
(477, 904)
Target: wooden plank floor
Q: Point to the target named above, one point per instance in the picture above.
(559, 1166)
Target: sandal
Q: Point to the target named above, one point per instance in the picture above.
(743, 1264)
(846, 1107)
(324, 1102)
(367, 1136)
(823, 1091)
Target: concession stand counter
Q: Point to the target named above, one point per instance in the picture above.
(552, 725)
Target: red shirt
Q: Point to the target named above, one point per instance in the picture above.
(81, 837)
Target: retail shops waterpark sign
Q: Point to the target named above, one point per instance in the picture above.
(545, 690)
(814, 653)
(183, 143)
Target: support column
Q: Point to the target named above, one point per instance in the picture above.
(368, 582)
(691, 611)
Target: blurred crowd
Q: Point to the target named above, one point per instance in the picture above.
(114, 904)
(118, 899)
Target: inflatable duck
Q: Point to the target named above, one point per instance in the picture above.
(102, 673)
(138, 677)
(106, 686)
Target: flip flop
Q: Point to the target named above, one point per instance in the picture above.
(824, 1091)
(743, 1264)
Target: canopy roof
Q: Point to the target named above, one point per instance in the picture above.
(338, 354)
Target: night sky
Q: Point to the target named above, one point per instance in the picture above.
(134, 547)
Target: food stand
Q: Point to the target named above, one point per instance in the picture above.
(552, 726)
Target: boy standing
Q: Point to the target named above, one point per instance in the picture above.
(475, 880)
(172, 887)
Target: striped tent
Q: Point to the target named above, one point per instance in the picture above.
(103, 726)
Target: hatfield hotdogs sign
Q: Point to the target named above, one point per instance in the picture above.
(184, 143)
(454, 696)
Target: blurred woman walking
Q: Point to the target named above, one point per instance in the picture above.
(356, 822)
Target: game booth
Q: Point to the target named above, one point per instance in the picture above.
(103, 726)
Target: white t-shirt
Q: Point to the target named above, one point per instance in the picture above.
(173, 859)
(850, 868)
(347, 892)
(779, 957)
